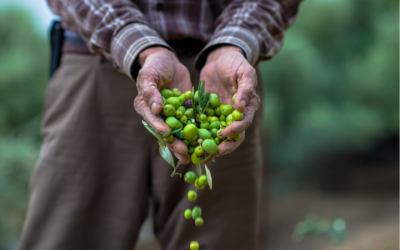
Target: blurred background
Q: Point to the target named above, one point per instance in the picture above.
(331, 125)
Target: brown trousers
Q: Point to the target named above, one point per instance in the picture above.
(98, 166)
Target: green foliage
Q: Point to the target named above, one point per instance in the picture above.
(334, 85)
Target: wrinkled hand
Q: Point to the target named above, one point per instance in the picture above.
(227, 72)
(160, 70)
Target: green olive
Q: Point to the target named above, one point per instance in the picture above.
(193, 142)
(203, 180)
(210, 112)
(236, 137)
(196, 98)
(182, 99)
(174, 101)
(190, 177)
(197, 108)
(169, 139)
(214, 100)
(216, 125)
(214, 119)
(191, 150)
(199, 222)
(194, 245)
(188, 95)
(209, 119)
(195, 159)
(222, 118)
(218, 110)
(188, 214)
(203, 117)
(226, 110)
(223, 124)
(214, 132)
(189, 132)
(197, 184)
(210, 146)
(233, 98)
(186, 143)
(183, 119)
(179, 134)
(192, 195)
(182, 109)
(229, 119)
(169, 110)
(189, 121)
(173, 123)
(167, 93)
(176, 92)
(216, 139)
(204, 125)
(189, 113)
(196, 212)
(199, 151)
(220, 136)
(203, 134)
(178, 114)
(237, 115)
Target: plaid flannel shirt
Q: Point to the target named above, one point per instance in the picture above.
(121, 29)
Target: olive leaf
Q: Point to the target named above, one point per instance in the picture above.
(168, 133)
(156, 135)
(174, 172)
(197, 169)
(167, 156)
(208, 174)
(205, 100)
(175, 131)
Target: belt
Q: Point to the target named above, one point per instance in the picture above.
(73, 43)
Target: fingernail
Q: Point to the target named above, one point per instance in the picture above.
(155, 108)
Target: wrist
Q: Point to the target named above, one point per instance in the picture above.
(221, 50)
(153, 50)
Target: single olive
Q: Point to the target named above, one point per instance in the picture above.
(233, 98)
(169, 139)
(214, 119)
(203, 117)
(192, 195)
(218, 110)
(176, 92)
(194, 245)
(191, 150)
(195, 159)
(174, 101)
(214, 100)
(210, 146)
(204, 125)
(178, 114)
(216, 139)
(183, 119)
(188, 95)
(182, 109)
(236, 137)
(229, 119)
(199, 222)
(173, 123)
(196, 98)
(188, 103)
(189, 113)
(167, 93)
(220, 136)
(214, 132)
(226, 110)
(203, 134)
(203, 180)
(193, 142)
(189, 121)
(210, 111)
(196, 212)
(190, 177)
(188, 214)
(182, 99)
(216, 125)
(189, 132)
(199, 151)
(197, 184)
(209, 119)
(179, 134)
(169, 110)
(222, 118)
(186, 142)
(237, 115)
(223, 124)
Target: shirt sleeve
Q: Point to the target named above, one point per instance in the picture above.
(257, 27)
(116, 29)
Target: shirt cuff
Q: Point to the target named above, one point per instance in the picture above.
(233, 35)
(130, 41)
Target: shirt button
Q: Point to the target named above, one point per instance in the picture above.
(159, 6)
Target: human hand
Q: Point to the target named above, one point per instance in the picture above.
(227, 72)
(160, 70)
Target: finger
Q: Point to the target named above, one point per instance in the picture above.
(185, 159)
(237, 127)
(178, 147)
(210, 159)
(155, 122)
(230, 146)
(247, 81)
(147, 87)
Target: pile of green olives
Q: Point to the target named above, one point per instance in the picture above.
(200, 130)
